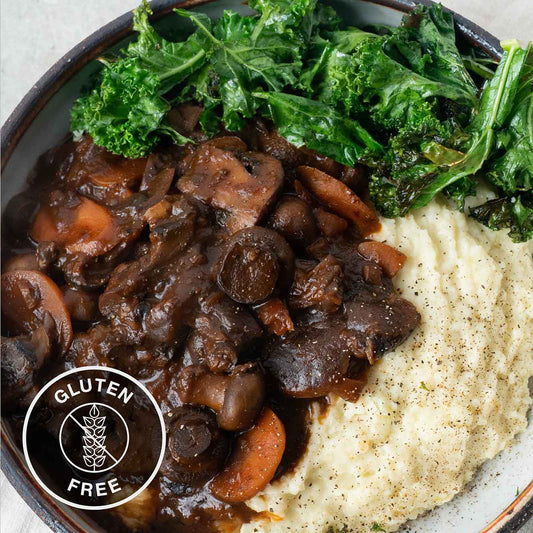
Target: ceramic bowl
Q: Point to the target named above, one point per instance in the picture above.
(498, 500)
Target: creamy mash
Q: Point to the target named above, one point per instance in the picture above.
(449, 398)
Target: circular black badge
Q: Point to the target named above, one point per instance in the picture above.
(94, 437)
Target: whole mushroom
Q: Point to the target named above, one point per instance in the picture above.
(196, 446)
(237, 398)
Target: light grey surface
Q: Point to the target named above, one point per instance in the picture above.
(36, 33)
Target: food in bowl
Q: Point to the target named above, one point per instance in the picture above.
(212, 230)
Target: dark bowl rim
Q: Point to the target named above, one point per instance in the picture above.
(32, 104)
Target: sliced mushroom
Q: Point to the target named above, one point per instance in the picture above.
(312, 361)
(22, 358)
(101, 175)
(241, 184)
(196, 447)
(293, 218)
(237, 398)
(379, 325)
(339, 198)
(256, 261)
(253, 462)
(29, 300)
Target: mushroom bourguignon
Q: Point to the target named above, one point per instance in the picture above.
(232, 276)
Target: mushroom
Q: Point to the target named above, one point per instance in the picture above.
(312, 361)
(256, 262)
(196, 448)
(293, 219)
(29, 300)
(22, 358)
(242, 185)
(237, 398)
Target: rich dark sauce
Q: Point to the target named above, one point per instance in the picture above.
(171, 228)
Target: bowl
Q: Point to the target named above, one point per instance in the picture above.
(490, 504)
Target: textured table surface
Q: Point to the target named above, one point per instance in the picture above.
(36, 33)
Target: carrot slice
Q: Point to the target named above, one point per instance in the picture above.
(86, 227)
(339, 198)
(387, 257)
(275, 316)
(29, 298)
(254, 460)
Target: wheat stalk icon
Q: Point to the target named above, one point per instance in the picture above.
(94, 439)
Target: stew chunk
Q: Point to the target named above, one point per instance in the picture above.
(243, 185)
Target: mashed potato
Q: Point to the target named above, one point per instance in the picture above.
(449, 398)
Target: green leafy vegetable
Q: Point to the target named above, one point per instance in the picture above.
(376, 527)
(170, 62)
(401, 100)
(306, 122)
(124, 112)
(514, 213)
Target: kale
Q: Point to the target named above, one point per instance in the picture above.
(401, 100)
(125, 113)
(303, 121)
(514, 213)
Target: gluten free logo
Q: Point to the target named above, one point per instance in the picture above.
(94, 438)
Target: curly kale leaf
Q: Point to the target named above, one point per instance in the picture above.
(496, 105)
(259, 59)
(418, 183)
(398, 76)
(171, 62)
(426, 42)
(511, 168)
(124, 111)
(513, 212)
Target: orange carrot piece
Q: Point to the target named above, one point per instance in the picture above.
(339, 198)
(387, 257)
(254, 460)
(86, 228)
